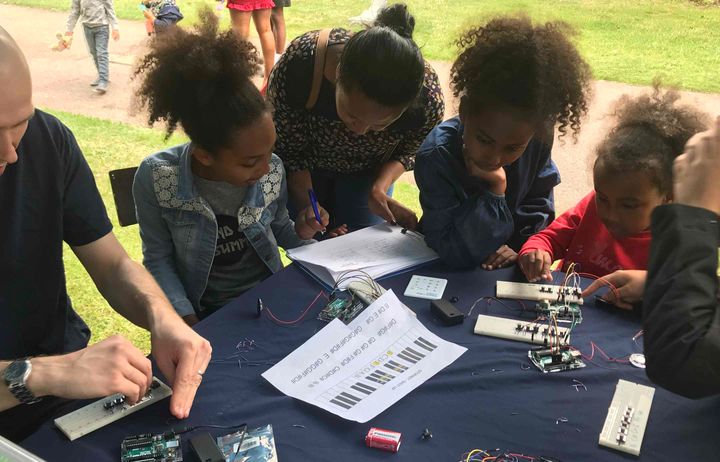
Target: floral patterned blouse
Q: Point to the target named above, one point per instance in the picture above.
(318, 139)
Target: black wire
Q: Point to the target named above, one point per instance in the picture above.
(242, 439)
(182, 430)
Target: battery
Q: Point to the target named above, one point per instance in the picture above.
(380, 438)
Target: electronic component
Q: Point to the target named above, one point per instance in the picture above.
(556, 359)
(538, 292)
(107, 410)
(425, 287)
(256, 445)
(342, 306)
(637, 360)
(205, 449)
(368, 291)
(446, 312)
(563, 312)
(523, 331)
(164, 447)
(627, 417)
(386, 440)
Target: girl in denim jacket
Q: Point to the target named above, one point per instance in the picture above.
(212, 212)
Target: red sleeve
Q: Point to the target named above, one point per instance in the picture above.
(556, 238)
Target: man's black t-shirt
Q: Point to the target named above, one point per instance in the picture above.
(48, 196)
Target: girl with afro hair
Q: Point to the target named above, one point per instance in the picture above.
(607, 233)
(212, 212)
(486, 177)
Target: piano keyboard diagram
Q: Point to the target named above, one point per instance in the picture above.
(399, 360)
(357, 371)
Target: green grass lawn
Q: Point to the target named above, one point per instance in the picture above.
(108, 146)
(100, 141)
(624, 40)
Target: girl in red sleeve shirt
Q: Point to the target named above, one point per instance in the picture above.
(608, 230)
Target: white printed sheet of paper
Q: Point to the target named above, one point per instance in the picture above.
(358, 370)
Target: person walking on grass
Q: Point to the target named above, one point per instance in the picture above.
(277, 23)
(260, 10)
(96, 16)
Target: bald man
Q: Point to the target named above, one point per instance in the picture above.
(47, 196)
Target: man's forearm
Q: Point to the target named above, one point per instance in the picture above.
(46, 371)
(7, 400)
(134, 294)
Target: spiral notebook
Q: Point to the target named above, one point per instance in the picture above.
(380, 251)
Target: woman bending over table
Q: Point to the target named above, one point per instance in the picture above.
(351, 111)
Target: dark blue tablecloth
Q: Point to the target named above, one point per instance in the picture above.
(486, 399)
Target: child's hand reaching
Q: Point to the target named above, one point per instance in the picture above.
(502, 257)
(629, 286)
(116, 35)
(536, 265)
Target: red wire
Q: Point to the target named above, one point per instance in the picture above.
(302, 315)
(606, 357)
(521, 455)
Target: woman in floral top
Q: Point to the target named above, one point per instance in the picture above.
(377, 101)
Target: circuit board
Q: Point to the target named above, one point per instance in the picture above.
(563, 312)
(368, 292)
(627, 417)
(537, 292)
(107, 410)
(344, 307)
(563, 358)
(164, 447)
(522, 331)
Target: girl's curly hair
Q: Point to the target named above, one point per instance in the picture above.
(509, 62)
(651, 131)
(201, 79)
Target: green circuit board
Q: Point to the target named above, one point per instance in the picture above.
(147, 447)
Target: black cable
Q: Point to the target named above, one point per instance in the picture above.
(181, 430)
(242, 439)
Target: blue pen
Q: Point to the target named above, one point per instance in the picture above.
(314, 203)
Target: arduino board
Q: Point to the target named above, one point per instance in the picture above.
(165, 447)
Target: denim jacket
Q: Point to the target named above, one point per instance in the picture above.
(463, 221)
(179, 230)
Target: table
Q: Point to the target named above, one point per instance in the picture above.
(486, 399)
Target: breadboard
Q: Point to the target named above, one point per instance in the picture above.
(522, 331)
(368, 293)
(627, 417)
(536, 292)
(96, 415)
